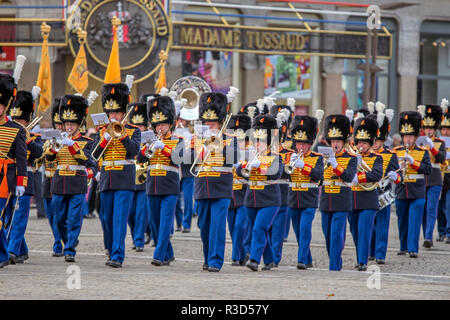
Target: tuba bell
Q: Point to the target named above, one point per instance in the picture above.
(190, 88)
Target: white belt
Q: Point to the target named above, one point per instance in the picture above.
(113, 163)
(303, 185)
(338, 183)
(163, 167)
(262, 183)
(283, 181)
(413, 176)
(240, 181)
(436, 165)
(70, 167)
(216, 169)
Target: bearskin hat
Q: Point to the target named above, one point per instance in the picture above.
(73, 108)
(240, 123)
(304, 129)
(138, 114)
(213, 106)
(433, 116)
(115, 97)
(337, 127)
(55, 111)
(161, 109)
(366, 130)
(262, 126)
(8, 90)
(23, 107)
(410, 123)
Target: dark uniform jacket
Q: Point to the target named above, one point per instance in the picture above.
(118, 175)
(437, 157)
(284, 179)
(368, 200)
(34, 151)
(263, 188)
(304, 183)
(215, 181)
(13, 156)
(336, 191)
(74, 166)
(163, 174)
(413, 181)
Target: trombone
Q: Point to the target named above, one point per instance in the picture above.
(212, 144)
(115, 130)
(289, 169)
(150, 151)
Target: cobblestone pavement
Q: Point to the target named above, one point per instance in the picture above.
(47, 277)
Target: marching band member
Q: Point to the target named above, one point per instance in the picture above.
(118, 171)
(444, 203)
(138, 217)
(284, 115)
(307, 172)
(336, 198)
(50, 170)
(163, 181)
(410, 194)
(13, 157)
(433, 182)
(213, 184)
(380, 232)
(364, 203)
(74, 168)
(237, 214)
(262, 199)
(187, 179)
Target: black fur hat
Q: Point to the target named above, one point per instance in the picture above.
(250, 109)
(115, 97)
(304, 129)
(143, 98)
(8, 90)
(138, 114)
(366, 130)
(445, 123)
(337, 127)
(410, 123)
(73, 108)
(23, 107)
(213, 106)
(240, 122)
(262, 126)
(433, 116)
(161, 110)
(55, 111)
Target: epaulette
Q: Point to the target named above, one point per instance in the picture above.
(421, 148)
(132, 125)
(398, 147)
(87, 138)
(36, 134)
(289, 149)
(316, 153)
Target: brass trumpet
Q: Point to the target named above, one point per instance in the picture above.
(115, 130)
(150, 151)
(363, 167)
(289, 169)
(141, 172)
(213, 144)
(247, 170)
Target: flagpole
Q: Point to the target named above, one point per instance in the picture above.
(44, 74)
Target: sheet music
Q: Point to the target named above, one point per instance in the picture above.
(99, 119)
(47, 134)
(148, 136)
(326, 151)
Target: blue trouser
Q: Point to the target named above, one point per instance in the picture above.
(187, 185)
(278, 232)
(16, 240)
(302, 224)
(444, 214)
(5, 205)
(333, 226)
(380, 234)
(57, 244)
(212, 220)
(261, 220)
(115, 206)
(409, 215)
(361, 227)
(69, 218)
(288, 225)
(430, 211)
(85, 207)
(238, 227)
(162, 211)
(137, 218)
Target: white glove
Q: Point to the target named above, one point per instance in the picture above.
(97, 177)
(393, 176)
(359, 159)
(255, 163)
(68, 142)
(20, 190)
(409, 159)
(299, 163)
(159, 145)
(429, 142)
(294, 156)
(355, 179)
(106, 136)
(333, 162)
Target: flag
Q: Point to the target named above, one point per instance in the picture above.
(78, 77)
(45, 78)
(112, 74)
(161, 82)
